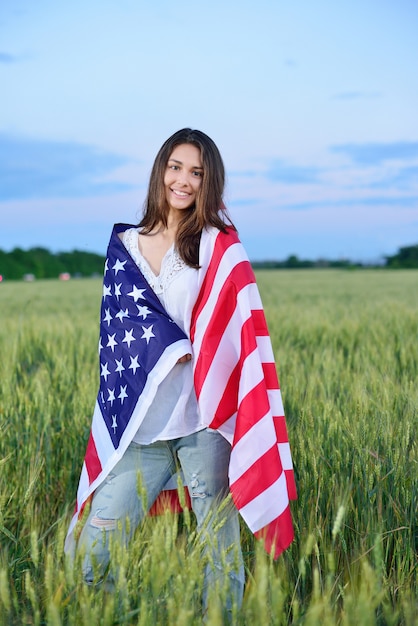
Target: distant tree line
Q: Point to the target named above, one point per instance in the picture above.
(293, 262)
(406, 258)
(41, 263)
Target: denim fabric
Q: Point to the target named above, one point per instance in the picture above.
(204, 459)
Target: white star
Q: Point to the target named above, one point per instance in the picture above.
(107, 291)
(121, 314)
(111, 397)
(129, 338)
(122, 395)
(120, 367)
(100, 344)
(134, 364)
(106, 266)
(114, 423)
(117, 290)
(119, 265)
(107, 318)
(105, 372)
(147, 333)
(102, 397)
(137, 293)
(111, 343)
(143, 311)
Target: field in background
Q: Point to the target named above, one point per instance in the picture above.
(346, 350)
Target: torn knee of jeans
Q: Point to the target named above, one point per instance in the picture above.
(196, 490)
(90, 578)
(103, 523)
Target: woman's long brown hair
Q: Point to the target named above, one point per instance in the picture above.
(209, 209)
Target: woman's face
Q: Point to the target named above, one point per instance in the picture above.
(183, 177)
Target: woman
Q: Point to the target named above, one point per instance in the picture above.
(186, 370)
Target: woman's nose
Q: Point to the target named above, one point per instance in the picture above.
(183, 178)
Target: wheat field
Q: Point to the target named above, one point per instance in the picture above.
(346, 350)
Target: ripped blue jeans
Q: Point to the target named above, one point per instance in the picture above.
(204, 459)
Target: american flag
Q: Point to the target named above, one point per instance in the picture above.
(238, 390)
(139, 345)
(234, 373)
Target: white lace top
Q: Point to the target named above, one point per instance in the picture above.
(174, 412)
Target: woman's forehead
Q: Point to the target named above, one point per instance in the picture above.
(187, 153)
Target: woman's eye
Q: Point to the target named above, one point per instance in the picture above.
(198, 174)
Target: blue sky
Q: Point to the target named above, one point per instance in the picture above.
(313, 105)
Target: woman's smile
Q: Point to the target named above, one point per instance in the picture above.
(180, 194)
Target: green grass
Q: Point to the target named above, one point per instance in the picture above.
(346, 350)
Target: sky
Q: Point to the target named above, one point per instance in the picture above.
(312, 103)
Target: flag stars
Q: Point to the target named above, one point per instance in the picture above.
(121, 314)
(119, 367)
(134, 364)
(137, 293)
(129, 338)
(111, 397)
(105, 371)
(107, 318)
(119, 266)
(127, 316)
(107, 291)
(122, 394)
(148, 334)
(117, 290)
(111, 342)
(143, 311)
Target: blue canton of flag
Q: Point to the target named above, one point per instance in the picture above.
(135, 330)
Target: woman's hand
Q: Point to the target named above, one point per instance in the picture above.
(185, 358)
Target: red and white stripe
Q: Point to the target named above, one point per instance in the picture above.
(238, 389)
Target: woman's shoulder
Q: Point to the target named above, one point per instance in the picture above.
(129, 238)
(122, 230)
(132, 231)
(223, 244)
(226, 236)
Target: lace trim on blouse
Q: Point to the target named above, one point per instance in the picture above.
(171, 265)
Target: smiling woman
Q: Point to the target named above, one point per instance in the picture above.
(189, 162)
(183, 177)
(182, 182)
(187, 381)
